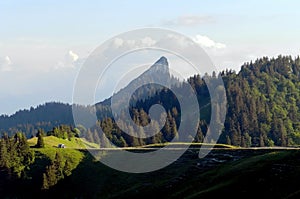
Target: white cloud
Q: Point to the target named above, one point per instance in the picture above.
(189, 20)
(174, 39)
(69, 61)
(207, 42)
(148, 41)
(118, 42)
(121, 43)
(72, 56)
(130, 43)
(133, 43)
(5, 63)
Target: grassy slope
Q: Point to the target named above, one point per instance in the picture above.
(74, 153)
(75, 143)
(43, 157)
(274, 174)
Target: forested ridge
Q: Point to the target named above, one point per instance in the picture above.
(263, 109)
(263, 103)
(44, 116)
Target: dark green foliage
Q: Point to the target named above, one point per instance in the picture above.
(263, 100)
(55, 172)
(64, 132)
(16, 156)
(67, 170)
(40, 142)
(49, 178)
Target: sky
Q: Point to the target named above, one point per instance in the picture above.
(43, 44)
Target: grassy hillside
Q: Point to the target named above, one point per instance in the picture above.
(273, 174)
(255, 173)
(74, 153)
(227, 171)
(74, 143)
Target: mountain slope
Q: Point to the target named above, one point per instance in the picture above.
(141, 88)
(263, 103)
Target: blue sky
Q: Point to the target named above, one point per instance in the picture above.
(44, 43)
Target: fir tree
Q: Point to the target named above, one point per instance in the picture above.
(40, 141)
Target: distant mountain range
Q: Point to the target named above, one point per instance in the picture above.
(263, 104)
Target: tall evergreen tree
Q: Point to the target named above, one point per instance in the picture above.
(40, 140)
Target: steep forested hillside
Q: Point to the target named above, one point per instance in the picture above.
(263, 103)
